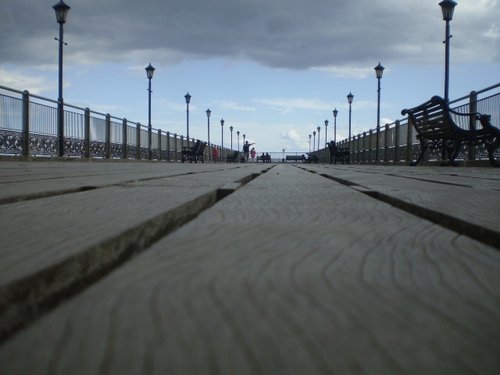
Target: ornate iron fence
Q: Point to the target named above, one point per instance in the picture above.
(397, 141)
(28, 127)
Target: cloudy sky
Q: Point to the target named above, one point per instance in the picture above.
(273, 69)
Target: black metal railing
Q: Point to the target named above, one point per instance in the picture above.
(28, 127)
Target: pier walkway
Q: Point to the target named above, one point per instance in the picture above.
(167, 268)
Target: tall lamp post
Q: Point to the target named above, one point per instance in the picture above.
(238, 139)
(188, 100)
(244, 136)
(208, 112)
(222, 138)
(309, 142)
(319, 129)
(149, 73)
(447, 7)
(231, 130)
(335, 112)
(350, 97)
(314, 139)
(379, 71)
(61, 10)
(326, 133)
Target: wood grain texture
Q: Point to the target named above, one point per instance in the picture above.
(56, 245)
(28, 180)
(465, 195)
(291, 274)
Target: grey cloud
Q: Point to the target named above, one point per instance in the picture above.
(293, 34)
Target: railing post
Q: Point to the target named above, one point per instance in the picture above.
(396, 141)
(408, 142)
(386, 143)
(471, 152)
(108, 136)
(359, 158)
(370, 152)
(138, 141)
(159, 144)
(168, 146)
(175, 146)
(124, 139)
(86, 134)
(25, 137)
(182, 144)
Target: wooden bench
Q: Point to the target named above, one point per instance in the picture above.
(337, 154)
(193, 153)
(232, 158)
(437, 128)
(311, 158)
(295, 157)
(264, 158)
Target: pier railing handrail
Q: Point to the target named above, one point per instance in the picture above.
(28, 127)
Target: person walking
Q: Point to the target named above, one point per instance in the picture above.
(252, 154)
(246, 150)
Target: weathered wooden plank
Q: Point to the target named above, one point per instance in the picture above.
(23, 180)
(293, 273)
(52, 244)
(465, 208)
(479, 178)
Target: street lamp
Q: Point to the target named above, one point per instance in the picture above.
(61, 10)
(319, 129)
(188, 100)
(238, 138)
(222, 138)
(309, 143)
(447, 7)
(350, 97)
(208, 112)
(231, 130)
(335, 112)
(314, 139)
(149, 73)
(326, 133)
(379, 71)
(244, 136)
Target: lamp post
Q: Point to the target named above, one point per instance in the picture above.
(231, 130)
(222, 138)
(350, 97)
(208, 112)
(326, 133)
(61, 10)
(244, 136)
(379, 71)
(319, 129)
(149, 73)
(314, 139)
(188, 100)
(335, 112)
(447, 7)
(238, 139)
(309, 142)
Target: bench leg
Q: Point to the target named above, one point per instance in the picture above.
(491, 147)
(423, 147)
(452, 148)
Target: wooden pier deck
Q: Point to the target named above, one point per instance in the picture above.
(159, 268)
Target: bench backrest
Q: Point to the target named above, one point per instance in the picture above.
(196, 146)
(432, 119)
(201, 148)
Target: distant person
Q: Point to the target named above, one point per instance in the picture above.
(215, 154)
(268, 158)
(246, 150)
(252, 154)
